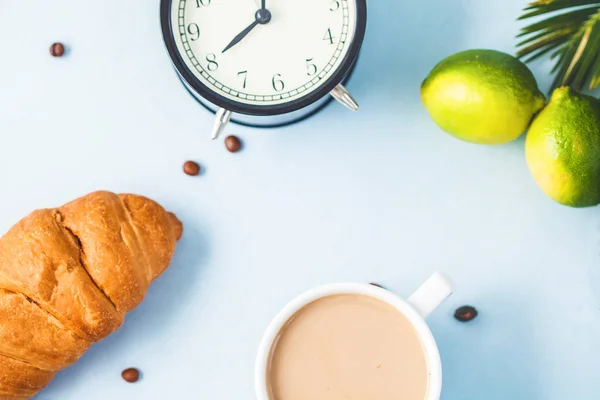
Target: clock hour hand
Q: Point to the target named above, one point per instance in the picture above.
(240, 36)
(262, 17)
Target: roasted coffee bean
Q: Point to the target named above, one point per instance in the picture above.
(465, 313)
(191, 168)
(131, 375)
(233, 144)
(57, 49)
(376, 284)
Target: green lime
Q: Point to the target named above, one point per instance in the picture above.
(563, 149)
(482, 96)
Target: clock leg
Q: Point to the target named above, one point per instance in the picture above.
(341, 94)
(221, 119)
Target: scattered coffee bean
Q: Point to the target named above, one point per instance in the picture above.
(57, 49)
(233, 144)
(191, 168)
(131, 375)
(465, 313)
(376, 284)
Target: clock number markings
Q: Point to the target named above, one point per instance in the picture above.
(328, 36)
(212, 62)
(245, 74)
(194, 31)
(312, 68)
(278, 84)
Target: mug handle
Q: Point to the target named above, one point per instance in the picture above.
(431, 294)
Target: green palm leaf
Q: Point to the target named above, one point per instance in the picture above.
(571, 32)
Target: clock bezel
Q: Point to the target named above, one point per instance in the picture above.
(271, 109)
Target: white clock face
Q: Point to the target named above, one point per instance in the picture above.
(289, 50)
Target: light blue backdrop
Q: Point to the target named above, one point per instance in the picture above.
(381, 195)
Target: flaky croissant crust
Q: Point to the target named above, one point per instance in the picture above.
(69, 275)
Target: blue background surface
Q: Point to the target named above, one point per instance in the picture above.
(380, 195)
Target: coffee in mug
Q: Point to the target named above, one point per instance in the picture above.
(352, 341)
(347, 347)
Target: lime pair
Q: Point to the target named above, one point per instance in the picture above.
(489, 97)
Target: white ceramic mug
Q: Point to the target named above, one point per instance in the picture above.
(424, 301)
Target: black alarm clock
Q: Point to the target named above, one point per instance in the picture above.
(266, 62)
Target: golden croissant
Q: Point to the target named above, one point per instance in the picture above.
(69, 275)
